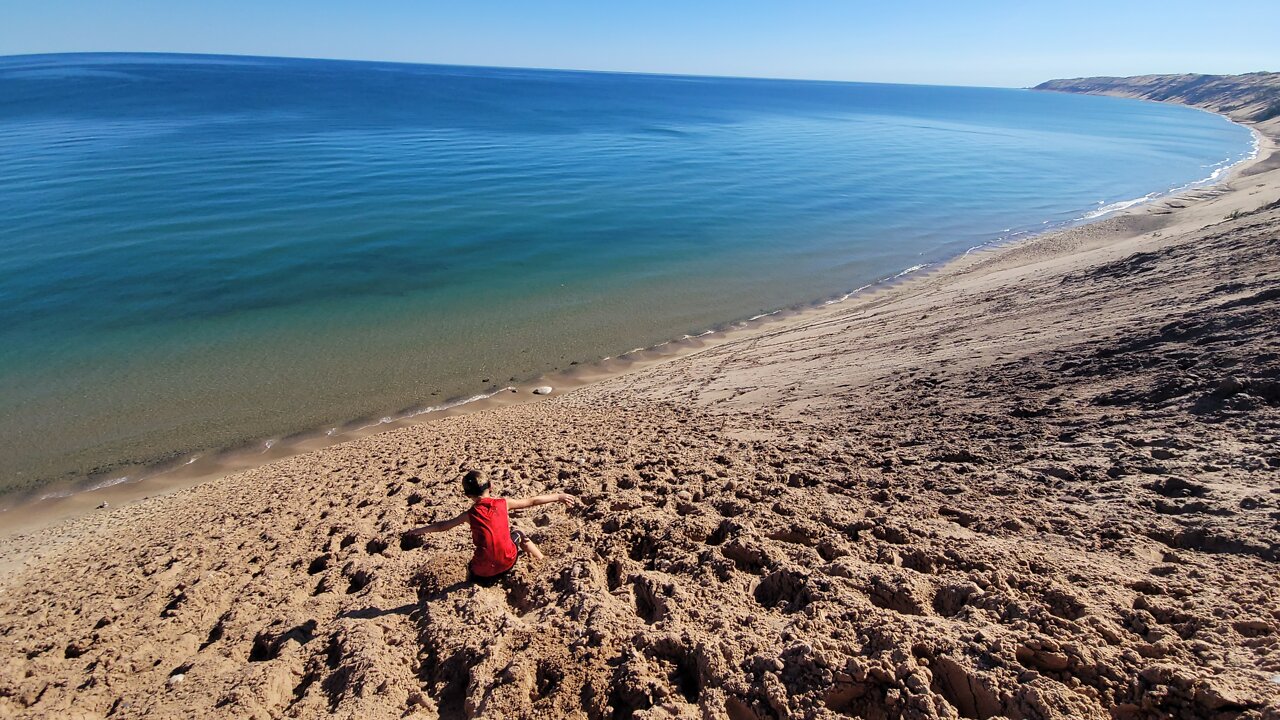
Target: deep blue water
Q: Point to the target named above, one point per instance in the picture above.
(201, 251)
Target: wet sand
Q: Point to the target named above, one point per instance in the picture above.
(1039, 483)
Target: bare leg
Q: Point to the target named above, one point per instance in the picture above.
(532, 549)
(526, 544)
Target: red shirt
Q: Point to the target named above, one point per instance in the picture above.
(495, 553)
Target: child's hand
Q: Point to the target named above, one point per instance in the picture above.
(568, 499)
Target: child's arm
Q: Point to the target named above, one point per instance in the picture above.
(440, 526)
(521, 503)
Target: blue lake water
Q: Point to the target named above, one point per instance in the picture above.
(198, 252)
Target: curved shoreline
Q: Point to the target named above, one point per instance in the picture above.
(51, 504)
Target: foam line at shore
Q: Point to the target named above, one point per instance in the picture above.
(435, 408)
(110, 482)
(1117, 206)
(1220, 171)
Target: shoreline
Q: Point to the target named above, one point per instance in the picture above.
(41, 508)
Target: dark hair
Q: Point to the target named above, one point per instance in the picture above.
(474, 484)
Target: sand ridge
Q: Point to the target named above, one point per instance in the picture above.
(1040, 484)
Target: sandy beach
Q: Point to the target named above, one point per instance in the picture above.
(1041, 482)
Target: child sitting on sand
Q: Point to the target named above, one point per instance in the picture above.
(498, 545)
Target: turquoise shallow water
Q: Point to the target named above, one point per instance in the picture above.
(199, 252)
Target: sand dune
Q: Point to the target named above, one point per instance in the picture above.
(1042, 483)
(1252, 97)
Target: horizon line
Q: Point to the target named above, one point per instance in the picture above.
(510, 67)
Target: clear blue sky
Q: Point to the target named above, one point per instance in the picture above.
(915, 41)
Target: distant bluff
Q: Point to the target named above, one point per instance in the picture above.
(1253, 97)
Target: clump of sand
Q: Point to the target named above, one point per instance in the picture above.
(1041, 484)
